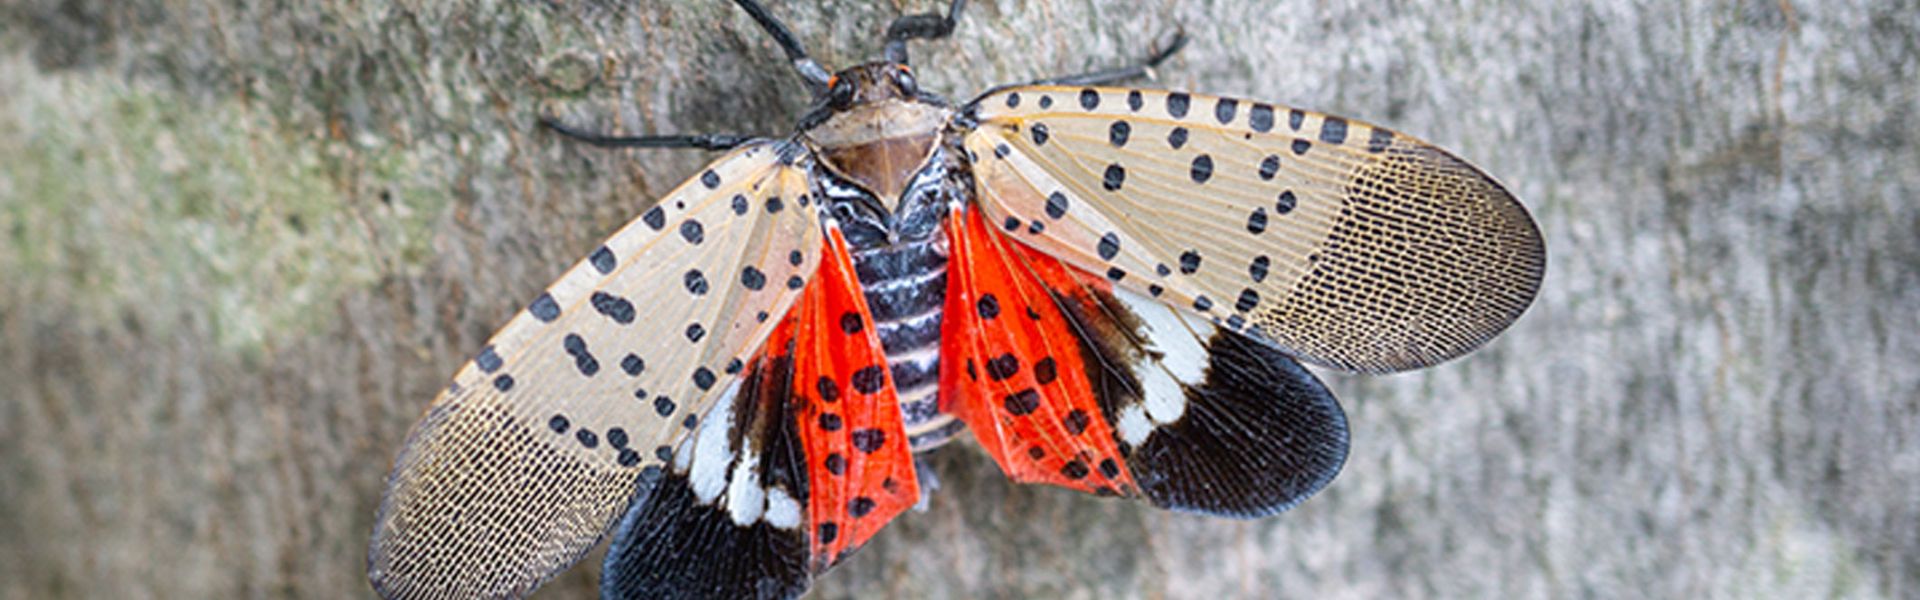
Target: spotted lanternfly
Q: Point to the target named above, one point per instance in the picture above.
(1112, 289)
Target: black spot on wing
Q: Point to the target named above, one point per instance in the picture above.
(1259, 435)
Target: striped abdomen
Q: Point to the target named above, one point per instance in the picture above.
(906, 286)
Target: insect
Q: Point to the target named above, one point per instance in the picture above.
(1112, 289)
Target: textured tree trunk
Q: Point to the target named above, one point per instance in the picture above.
(242, 244)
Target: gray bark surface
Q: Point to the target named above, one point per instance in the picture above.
(242, 244)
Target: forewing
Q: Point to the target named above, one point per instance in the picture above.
(1068, 380)
(523, 462)
(1347, 244)
(802, 460)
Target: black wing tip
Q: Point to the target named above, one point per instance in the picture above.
(1260, 436)
(669, 545)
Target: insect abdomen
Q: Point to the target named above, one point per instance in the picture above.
(906, 286)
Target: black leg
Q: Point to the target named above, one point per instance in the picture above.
(704, 142)
(1119, 74)
(926, 26)
(810, 71)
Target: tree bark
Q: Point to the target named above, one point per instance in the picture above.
(244, 243)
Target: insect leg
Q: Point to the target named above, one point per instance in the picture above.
(704, 142)
(925, 26)
(1115, 75)
(810, 71)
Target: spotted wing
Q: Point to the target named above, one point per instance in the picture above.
(530, 454)
(1346, 244)
(803, 459)
(1069, 381)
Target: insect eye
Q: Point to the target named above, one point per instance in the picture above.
(904, 78)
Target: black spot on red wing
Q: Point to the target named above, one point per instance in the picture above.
(1001, 367)
(696, 282)
(1045, 371)
(602, 260)
(710, 179)
(1248, 299)
(1022, 403)
(1301, 145)
(1115, 177)
(1379, 140)
(830, 422)
(1177, 104)
(1036, 453)
(972, 372)
(558, 424)
(1177, 137)
(1076, 421)
(1202, 169)
(587, 438)
(1269, 167)
(663, 406)
(988, 306)
(860, 506)
(827, 389)
(1118, 132)
(1109, 469)
(503, 382)
(544, 308)
(1285, 203)
(1224, 109)
(1333, 130)
(1295, 118)
(1039, 133)
(1258, 268)
(1056, 205)
(1089, 99)
(868, 440)
(1260, 118)
(869, 379)
(1257, 221)
(836, 464)
(1109, 246)
(851, 324)
(488, 360)
(1075, 469)
(830, 531)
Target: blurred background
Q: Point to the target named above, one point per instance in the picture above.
(243, 243)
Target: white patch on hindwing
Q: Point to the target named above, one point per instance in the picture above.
(728, 478)
(1177, 345)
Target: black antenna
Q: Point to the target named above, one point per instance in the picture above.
(925, 26)
(810, 71)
